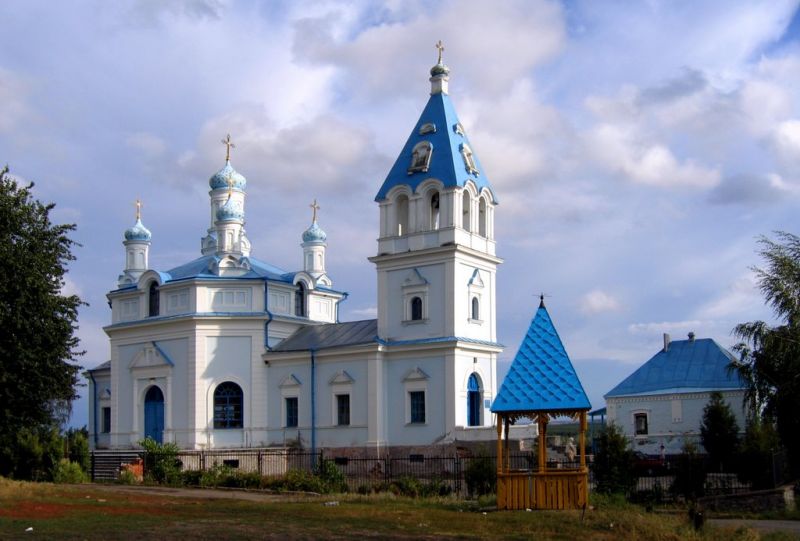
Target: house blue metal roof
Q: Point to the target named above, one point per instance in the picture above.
(447, 163)
(541, 377)
(686, 365)
(201, 268)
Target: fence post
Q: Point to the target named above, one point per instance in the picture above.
(259, 463)
(457, 469)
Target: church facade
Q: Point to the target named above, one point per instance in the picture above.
(227, 351)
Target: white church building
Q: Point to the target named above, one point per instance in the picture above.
(227, 351)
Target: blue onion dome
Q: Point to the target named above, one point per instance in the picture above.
(231, 211)
(220, 178)
(314, 233)
(138, 232)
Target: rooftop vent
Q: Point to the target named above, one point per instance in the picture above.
(691, 336)
(666, 342)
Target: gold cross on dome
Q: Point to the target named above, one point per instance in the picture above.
(314, 208)
(138, 209)
(440, 46)
(229, 145)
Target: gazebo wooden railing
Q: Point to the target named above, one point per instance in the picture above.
(542, 488)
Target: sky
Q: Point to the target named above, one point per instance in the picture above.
(638, 149)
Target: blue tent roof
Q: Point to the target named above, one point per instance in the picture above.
(447, 163)
(541, 378)
(686, 365)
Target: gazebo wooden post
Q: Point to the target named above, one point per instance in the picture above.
(507, 452)
(582, 439)
(500, 444)
(542, 420)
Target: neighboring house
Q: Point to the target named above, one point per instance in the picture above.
(229, 351)
(661, 403)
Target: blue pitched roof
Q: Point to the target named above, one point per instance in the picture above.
(686, 365)
(541, 377)
(330, 335)
(446, 162)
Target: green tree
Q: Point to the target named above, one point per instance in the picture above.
(613, 462)
(719, 432)
(755, 456)
(770, 354)
(38, 343)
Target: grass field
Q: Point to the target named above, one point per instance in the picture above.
(116, 512)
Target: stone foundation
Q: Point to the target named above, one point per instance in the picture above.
(756, 502)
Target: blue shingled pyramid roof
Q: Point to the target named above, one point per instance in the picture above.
(447, 163)
(541, 378)
(699, 364)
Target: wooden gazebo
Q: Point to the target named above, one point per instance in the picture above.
(540, 385)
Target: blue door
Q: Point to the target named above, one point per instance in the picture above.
(473, 401)
(154, 414)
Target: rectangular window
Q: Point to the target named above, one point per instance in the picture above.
(291, 411)
(106, 420)
(677, 411)
(342, 409)
(640, 424)
(417, 401)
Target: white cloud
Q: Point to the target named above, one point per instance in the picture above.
(15, 109)
(598, 302)
(787, 144)
(738, 297)
(621, 150)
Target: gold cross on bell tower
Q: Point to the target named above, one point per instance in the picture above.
(138, 205)
(314, 209)
(440, 46)
(229, 145)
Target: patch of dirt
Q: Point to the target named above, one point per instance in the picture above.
(42, 510)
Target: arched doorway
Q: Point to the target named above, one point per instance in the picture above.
(474, 405)
(154, 414)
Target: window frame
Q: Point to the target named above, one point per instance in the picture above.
(638, 431)
(233, 417)
(339, 399)
(153, 300)
(288, 411)
(419, 394)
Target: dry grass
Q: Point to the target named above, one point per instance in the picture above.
(90, 512)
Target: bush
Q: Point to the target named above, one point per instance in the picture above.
(67, 471)
(406, 486)
(303, 481)
(613, 463)
(161, 464)
(690, 474)
(127, 477)
(192, 478)
(755, 457)
(77, 447)
(481, 476)
(331, 476)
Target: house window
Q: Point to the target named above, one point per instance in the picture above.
(474, 405)
(640, 424)
(416, 401)
(342, 409)
(300, 300)
(228, 398)
(476, 309)
(416, 309)
(106, 420)
(153, 300)
(434, 211)
(291, 411)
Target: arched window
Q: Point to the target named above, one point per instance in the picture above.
(474, 408)
(482, 218)
(416, 309)
(420, 157)
(402, 215)
(300, 300)
(476, 308)
(153, 300)
(466, 204)
(434, 210)
(228, 398)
